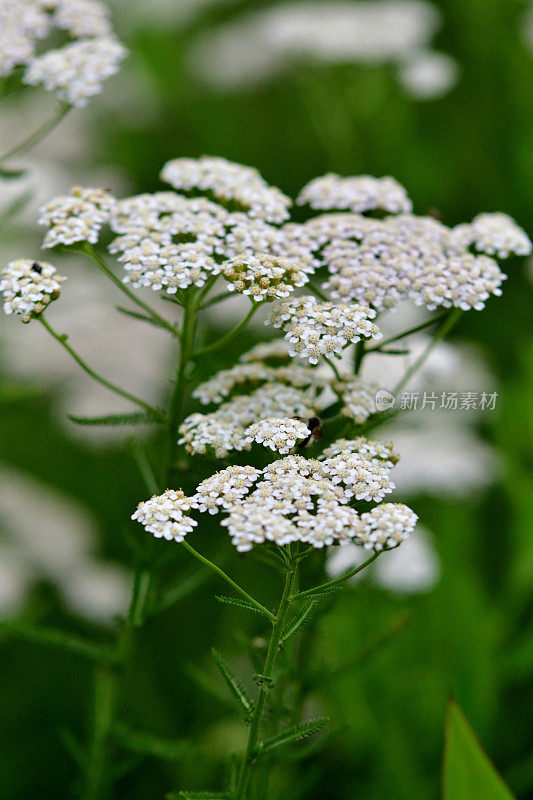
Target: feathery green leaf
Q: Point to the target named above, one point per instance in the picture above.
(139, 316)
(235, 685)
(236, 601)
(299, 619)
(294, 734)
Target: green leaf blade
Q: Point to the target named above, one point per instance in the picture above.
(294, 734)
(468, 773)
(235, 686)
(299, 619)
(236, 601)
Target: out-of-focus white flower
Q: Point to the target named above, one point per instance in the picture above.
(76, 72)
(442, 458)
(428, 75)
(358, 194)
(48, 536)
(412, 568)
(259, 44)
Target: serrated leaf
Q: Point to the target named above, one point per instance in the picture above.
(467, 772)
(234, 684)
(320, 592)
(299, 619)
(236, 601)
(147, 744)
(139, 316)
(137, 418)
(294, 734)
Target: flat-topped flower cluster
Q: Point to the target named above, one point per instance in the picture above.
(28, 287)
(74, 72)
(295, 499)
(225, 220)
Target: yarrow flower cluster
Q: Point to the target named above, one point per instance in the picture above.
(163, 515)
(227, 428)
(170, 241)
(313, 329)
(359, 194)
(74, 72)
(77, 71)
(358, 397)
(77, 216)
(265, 277)
(278, 433)
(299, 500)
(229, 183)
(28, 287)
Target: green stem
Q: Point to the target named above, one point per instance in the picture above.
(330, 363)
(318, 293)
(270, 663)
(229, 580)
(358, 356)
(421, 327)
(87, 249)
(108, 682)
(34, 138)
(449, 321)
(62, 339)
(177, 400)
(229, 336)
(217, 298)
(338, 581)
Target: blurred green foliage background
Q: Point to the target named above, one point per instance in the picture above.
(472, 636)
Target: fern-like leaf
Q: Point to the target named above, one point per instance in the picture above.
(236, 687)
(236, 601)
(139, 316)
(294, 734)
(298, 620)
(137, 418)
(320, 592)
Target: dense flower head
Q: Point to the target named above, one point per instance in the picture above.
(77, 216)
(369, 448)
(293, 499)
(358, 398)
(230, 183)
(171, 241)
(265, 276)
(223, 383)
(314, 329)
(225, 429)
(28, 287)
(74, 72)
(277, 433)
(358, 194)
(163, 515)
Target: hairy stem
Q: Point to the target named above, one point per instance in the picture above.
(338, 581)
(216, 345)
(62, 339)
(449, 321)
(268, 670)
(88, 250)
